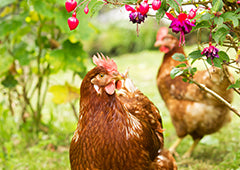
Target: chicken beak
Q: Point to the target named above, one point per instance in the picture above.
(118, 76)
(158, 43)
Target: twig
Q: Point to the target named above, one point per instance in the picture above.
(230, 81)
(74, 110)
(237, 68)
(203, 87)
(37, 117)
(26, 99)
(197, 3)
(117, 3)
(10, 102)
(46, 85)
(204, 62)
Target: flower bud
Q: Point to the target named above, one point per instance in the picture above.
(73, 21)
(70, 5)
(156, 4)
(86, 10)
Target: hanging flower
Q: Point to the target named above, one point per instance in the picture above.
(210, 52)
(181, 24)
(135, 16)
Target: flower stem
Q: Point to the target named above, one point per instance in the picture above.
(180, 7)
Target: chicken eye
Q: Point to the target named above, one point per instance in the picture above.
(101, 75)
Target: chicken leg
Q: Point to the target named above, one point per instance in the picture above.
(190, 150)
(172, 149)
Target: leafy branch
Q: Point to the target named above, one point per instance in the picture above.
(203, 87)
(187, 72)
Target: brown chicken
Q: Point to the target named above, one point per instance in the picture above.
(141, 107)
(110, 133)
(192, 110)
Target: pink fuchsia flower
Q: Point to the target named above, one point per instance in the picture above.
(192, 13)
(238, 2)
(181, 24)
(210, 52)
(144, 7)
(135, 16)
(129, 8)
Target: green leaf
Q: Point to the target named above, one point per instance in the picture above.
(95, 8)
(179, 57)
(176, 72)
(9, 26)
(56, 59)
(238, 10)
(202, 24)
(206, 17)
(161, 11)
(21, 54)
(182, 65)
(218, 20)
(235, 21)
(9, 81)
(74, 57)
(174, 5)
(216, 62)
(195, 54)
(5, 60)
(160, 14)
(231, 17)
(220, 35)
(64, 93)
(18, 35)
(185, 79)
(61, 18)
(223, 56)
(193, 70)
(43, 8)
(217, 5)
(235, 85)
(71, 57)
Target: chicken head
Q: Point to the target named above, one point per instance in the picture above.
(165, 41)
(108, 79)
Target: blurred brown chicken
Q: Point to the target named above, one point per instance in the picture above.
(115, 131)
(192, 110)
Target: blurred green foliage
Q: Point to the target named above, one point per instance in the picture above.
(35, 43)
(116, 40)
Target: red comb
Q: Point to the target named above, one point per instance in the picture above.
(107, 63)
(162, 32)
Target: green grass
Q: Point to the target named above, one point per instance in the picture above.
(22, 150)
